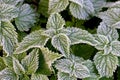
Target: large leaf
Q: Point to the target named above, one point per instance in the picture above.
(73, 66)
(77, 36)
(8, 74)
(81, 9)
(105, 64)
(65, 76)
(46, 60)
(7, 11)
(26, 18)
(107, 31)
(8, 37)
(18, 68)
(111, 17)
(55, 21)
(56, 6)
(35, 39)
(115, 48)
(30, 62)
(39, 77)
(62, 43)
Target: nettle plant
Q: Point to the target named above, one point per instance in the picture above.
(26, 50)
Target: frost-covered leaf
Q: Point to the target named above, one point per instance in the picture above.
(8, 74)
(30, 62)
(11, 2)
(26, 18)
(115, 48)
(105, 64)
(81, 9)
(65, 76)
(39, 77)
(55, 21)
(56, 6)
(8, 37)
(62, 43)
(18, 68)
(50, 32)
(7, 11)
(2, 64)
(102, 41)
(111, 17)
(107, 31)
(77, 36)
(73, 68)
(35, 39)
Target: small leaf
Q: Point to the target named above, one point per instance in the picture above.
(77, 36)
(62, 43)
(65, 76)
(55, 21)
(8, 74)
(39, 77)
(81, 9)
(8, 37)
(35, 39)
(2, 64)
(26, 18)
(107, 31)
(8, 61)
(18, 68)
(105, 64)
(7, 11)
(30, 62)
(56, 6)
(115, 48)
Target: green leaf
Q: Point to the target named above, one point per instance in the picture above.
(8, 37)
(39, 77)
(46, 60)
(56, 6)
(111, 17)
(7, 11)
(73, 66)
(18, 68)
(30, 62)
(105, 64)
(2, 64)
(81, 9)
(65, 76)
(35, 39)
(8, 74)
(55, 21)
(115, 48)
(77, 36)
(8, 61)
(62, 43)
(26, 18)
(107, 31)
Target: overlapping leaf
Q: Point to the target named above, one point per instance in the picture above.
(26, 18)
(105, 64)
(35, 39)
(11, 2)
(39, 77)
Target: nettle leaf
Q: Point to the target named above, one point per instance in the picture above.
(12, 2)
(77, 36)
(105, 64)
(30, 62)
(7, 11)
(107, 31)
(8, 74)
(8, 37)
(39, 77)
(2, 64)
(81, 9)
(62, 43)
(73, 68)
(115, 48)
(26, 18)
(18, 68)
(35, 39)
(56, 6)
(8, 61)
(65, 76)
(55, 21)
(111, 17)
